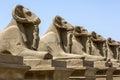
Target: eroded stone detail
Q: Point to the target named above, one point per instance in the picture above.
(82, 44)
(58, 39)
(63, 51)
(20, 37)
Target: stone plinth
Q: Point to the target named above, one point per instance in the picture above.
(96, 64)
(109, 73)
(116, 64)
(84, 74)
(48, 73)
(105, 73)
(12, 68)
(66, 70)
(47, 70)
(68, 63)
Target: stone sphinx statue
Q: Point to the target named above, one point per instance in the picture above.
(113, 48)
(82, 44)
(118, 52)
(98, 42)
(58, 39)
(79, 40)
(20, 37)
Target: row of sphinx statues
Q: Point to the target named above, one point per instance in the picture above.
(62, 40)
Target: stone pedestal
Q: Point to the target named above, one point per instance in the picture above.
(105, 73)
(47, 70)
(44, 73)
(95, 64)
(90, 73)
(116, 74)
(109, 73)
(69, 63)
(84, 74)
(116, 64)
(12, 68)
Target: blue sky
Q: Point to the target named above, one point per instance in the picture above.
(102, 16)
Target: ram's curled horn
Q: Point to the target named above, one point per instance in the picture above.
(57, 21)
(18, 15)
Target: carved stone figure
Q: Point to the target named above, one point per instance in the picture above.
(105, 50)
(35, 38)
(82, 44)
(118, 52)
(70, 43)
(89, 46)
(20, 37)
(97, 41)
(79, 40)
(112, 48)
(57, 39)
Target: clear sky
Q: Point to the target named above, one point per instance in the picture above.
(101, 16)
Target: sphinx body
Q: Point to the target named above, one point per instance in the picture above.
(82, 44)
(79, 41)
(57, 39)
(98, 44)
(18, 39)
(113, 49)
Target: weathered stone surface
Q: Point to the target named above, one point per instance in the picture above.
(49, 70)
(55, 40)
(12, 68)
(69, 63)
(82, 44)
(84, 74)
(18, 37)
(95, 64)
(97, 43)
(64, 52)
(112, 48)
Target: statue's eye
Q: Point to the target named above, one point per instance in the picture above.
(28, 13)
(84, 30)
(65, 22)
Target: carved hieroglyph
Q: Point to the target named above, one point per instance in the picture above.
(82, 44)
(20, 37)
(58, 39)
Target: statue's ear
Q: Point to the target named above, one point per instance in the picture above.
(18, 14)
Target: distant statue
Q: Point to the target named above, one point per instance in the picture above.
(79, 40)
(89, 46)
(97, 41)
(112, 48)
(105, 50)
(118, 52)
(58, 39)
(20, 37)
(82, 44)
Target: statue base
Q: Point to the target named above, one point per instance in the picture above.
(12, 68)
(95, 64)
(116, 64)
(47, 70)
(69, 63)
(84, 74)
(71, 69)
